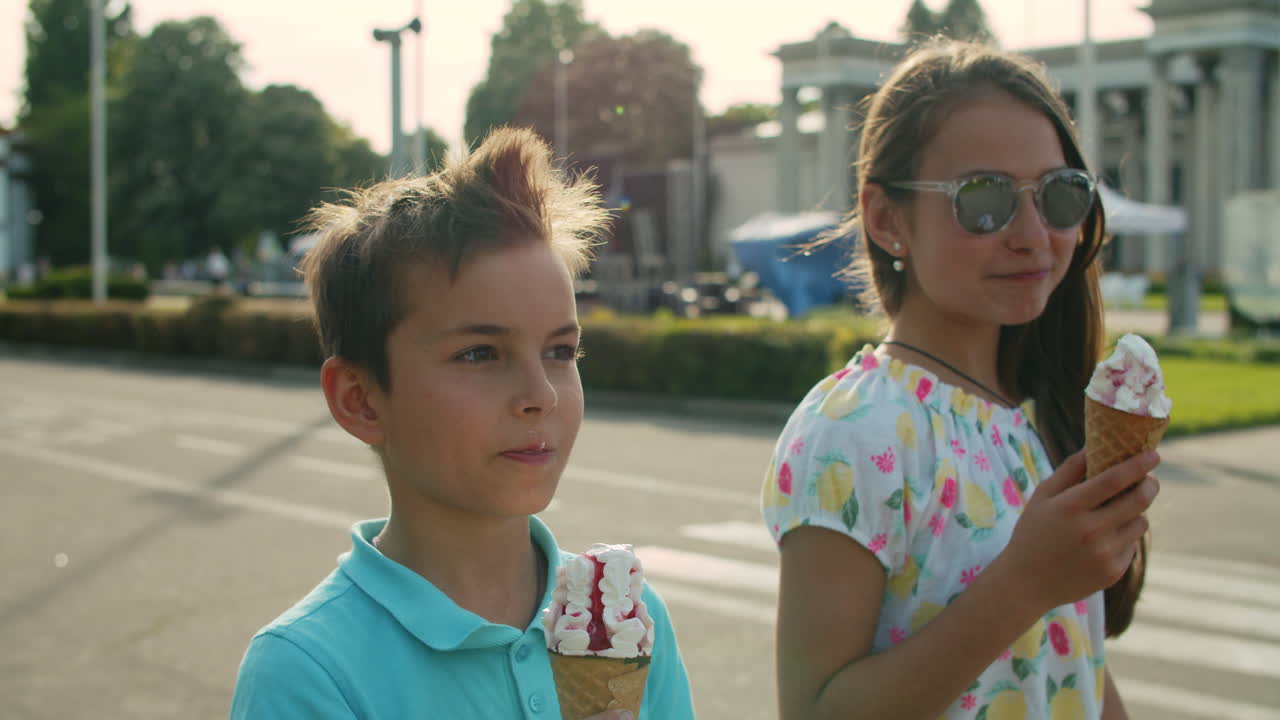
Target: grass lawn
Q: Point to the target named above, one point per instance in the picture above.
(1209, 302)
(1216, 395)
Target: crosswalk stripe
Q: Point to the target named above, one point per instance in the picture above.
(1186, 702)
(645, 483)
(332, 467)
(1236, 567)
(679, 594)
(1214, 584)
(708, 569)
(735, 532)
(1188, 647)
(1157, 604)
(209, 445)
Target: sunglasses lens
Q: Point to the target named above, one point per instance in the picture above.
(1065, 200)
(985, 204)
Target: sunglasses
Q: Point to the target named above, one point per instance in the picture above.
(986, 202)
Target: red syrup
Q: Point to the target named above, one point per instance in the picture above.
(596, 631)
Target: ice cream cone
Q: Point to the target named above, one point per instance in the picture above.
(587, 685)
(1112, 436)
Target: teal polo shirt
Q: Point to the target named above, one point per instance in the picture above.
(377, 640)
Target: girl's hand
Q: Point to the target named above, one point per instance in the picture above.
(1078, 536)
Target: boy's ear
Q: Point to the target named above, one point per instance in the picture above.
(883, 220)
(347, 389)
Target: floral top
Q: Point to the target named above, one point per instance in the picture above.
(931, 480)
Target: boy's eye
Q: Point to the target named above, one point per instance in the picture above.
(566, 353)
(478, 354)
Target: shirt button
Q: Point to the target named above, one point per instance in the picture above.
(536, 703)
(522, 653)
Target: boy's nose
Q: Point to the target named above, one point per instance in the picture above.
(536, 393)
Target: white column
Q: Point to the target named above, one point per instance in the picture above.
(841, 150)
(1274, 101)
(1158, 171)
(788, 158)
(1243, 105)
(1132, 249)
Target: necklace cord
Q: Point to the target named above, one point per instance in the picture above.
(952, 368)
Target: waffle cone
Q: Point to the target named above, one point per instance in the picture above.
(587, 685)
(1112, 436)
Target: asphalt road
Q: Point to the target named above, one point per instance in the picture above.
(152, 520)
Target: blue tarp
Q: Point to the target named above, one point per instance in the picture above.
(768, 245)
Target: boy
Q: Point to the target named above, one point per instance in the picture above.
(445, 306)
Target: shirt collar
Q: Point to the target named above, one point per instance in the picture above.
(423, 609)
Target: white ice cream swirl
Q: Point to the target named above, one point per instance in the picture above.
(1130, 380)
(567, 618)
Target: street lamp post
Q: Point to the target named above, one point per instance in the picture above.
(399, 166)
(98, 161)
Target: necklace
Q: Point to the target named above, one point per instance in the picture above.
(952, 368)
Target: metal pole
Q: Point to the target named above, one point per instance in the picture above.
(696, 238)
(563, 57)
(419, 136)
(1087, 94)
(98, 162)
(397, 132)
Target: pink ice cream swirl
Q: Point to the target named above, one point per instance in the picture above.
(1130, 380)
(596, 607)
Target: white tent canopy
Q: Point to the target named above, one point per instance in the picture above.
(1130, 216)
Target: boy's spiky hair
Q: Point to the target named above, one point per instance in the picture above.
(505, 193)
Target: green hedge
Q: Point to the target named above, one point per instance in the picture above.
(77, 283)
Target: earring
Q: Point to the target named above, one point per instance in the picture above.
(898, 265)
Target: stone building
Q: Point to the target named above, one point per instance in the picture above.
(1188, 116)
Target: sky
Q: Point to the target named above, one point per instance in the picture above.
(327, 46)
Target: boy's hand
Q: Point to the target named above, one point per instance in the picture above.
(1077, 536)
(613, 715)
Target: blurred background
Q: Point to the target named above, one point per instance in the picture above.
(170, 479)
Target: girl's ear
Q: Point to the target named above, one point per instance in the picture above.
(353, 398)
(883, 220)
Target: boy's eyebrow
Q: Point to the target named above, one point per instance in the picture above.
(487, 329)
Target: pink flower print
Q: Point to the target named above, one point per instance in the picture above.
(949, 489)
(969, 575)
(937, 524)
(982, 461)
(957, 448)
(995, 437)
(897, 635)
(1012, 494)
(1059, 639)
(878, 542)
(906, 512)
(870, 362)
(842, 372)
(1082, 608)
(784, 479)
(968, 702)
(884, 461)
(923, 388)
(1017, 418)
(1008, 653)
(796, 446)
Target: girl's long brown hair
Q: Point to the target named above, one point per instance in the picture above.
(1051, 358)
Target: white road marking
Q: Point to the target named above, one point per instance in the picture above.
(678, 595)
(735, 532)
(1213, 584)
(1255, 622)
(153, 481)
(209, 445)
(1219, 566)
(708, 569)
(348, 470)
(645, 483)
(1189, 647)
(1186, 702)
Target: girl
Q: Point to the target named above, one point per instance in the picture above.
(941, 550)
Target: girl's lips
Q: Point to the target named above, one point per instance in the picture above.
(530, 457)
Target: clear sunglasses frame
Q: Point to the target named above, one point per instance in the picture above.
(952, 188)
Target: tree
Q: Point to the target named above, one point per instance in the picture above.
(921, 22)
(55, 119)
(176, 189)
(960, 19)
(965, 20)
(737, 118)
(533, 34)
(631, 97)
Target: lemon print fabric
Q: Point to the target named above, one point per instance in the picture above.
(932, 480)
